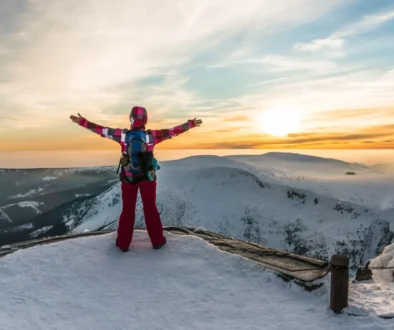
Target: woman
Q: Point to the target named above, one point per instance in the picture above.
(138, 120)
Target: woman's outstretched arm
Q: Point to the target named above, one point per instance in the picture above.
(160, 135)
(108, 132)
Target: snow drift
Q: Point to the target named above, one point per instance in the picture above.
(385, 262)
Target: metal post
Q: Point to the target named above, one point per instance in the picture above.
(339, 283)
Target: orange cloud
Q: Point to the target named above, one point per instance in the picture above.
(365, 138)
(238, 118)
(66, 136)
(353, 113)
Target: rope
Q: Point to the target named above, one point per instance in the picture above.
(380, 268)
(386, 317)
(338, 267)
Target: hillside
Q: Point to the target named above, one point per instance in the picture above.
(35, 199)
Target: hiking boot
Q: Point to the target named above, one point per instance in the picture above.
(156, 247)
(123, 250)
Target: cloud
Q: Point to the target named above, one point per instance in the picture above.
(266, 82)
(231, 145)
(100, 58)
(333, 137)
(355, 113)
(374, 132)
(4, 118)
(345, 119)
(376, 137)
(338, 103)
(232, 129)
(329, 43)
(288, 63)
(366, 24)
(70, 56)
(238, 118)
(335, 42)
(96, 44)
(281, 63)
(355, 90)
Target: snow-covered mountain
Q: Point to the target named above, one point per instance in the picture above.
(308, 205)
(279, 201)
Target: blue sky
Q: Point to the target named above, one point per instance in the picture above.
(319, 61)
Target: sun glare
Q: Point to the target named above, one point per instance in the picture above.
(280, 122)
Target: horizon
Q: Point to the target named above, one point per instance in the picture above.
(104, 158)
(289, 75)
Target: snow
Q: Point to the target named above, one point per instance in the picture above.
(32, 204)
(385, 260)
(95, 169)
(102, 211)
(24, 226)
(48, 178)
(387, 203)
(4, 216)
(40, 231)
(30, 193)
(369, 299)
(82, 195)
(86, 283)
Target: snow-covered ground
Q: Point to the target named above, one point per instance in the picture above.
(86, 283)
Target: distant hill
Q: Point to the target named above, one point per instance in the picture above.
(288, 156)
(384, 168)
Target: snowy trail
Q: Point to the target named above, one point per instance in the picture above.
(87, 283)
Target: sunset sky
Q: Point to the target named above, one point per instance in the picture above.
(259, 73)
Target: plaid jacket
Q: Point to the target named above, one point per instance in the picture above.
(153, 137)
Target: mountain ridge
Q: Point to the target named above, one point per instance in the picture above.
(238, 199)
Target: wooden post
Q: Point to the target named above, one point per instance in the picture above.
(339, 283)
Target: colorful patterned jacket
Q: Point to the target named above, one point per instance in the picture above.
(138, 119)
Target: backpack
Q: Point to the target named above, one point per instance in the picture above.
(136, 159)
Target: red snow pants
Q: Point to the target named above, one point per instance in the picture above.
(127, 217)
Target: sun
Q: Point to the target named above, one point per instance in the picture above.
(280, 121)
